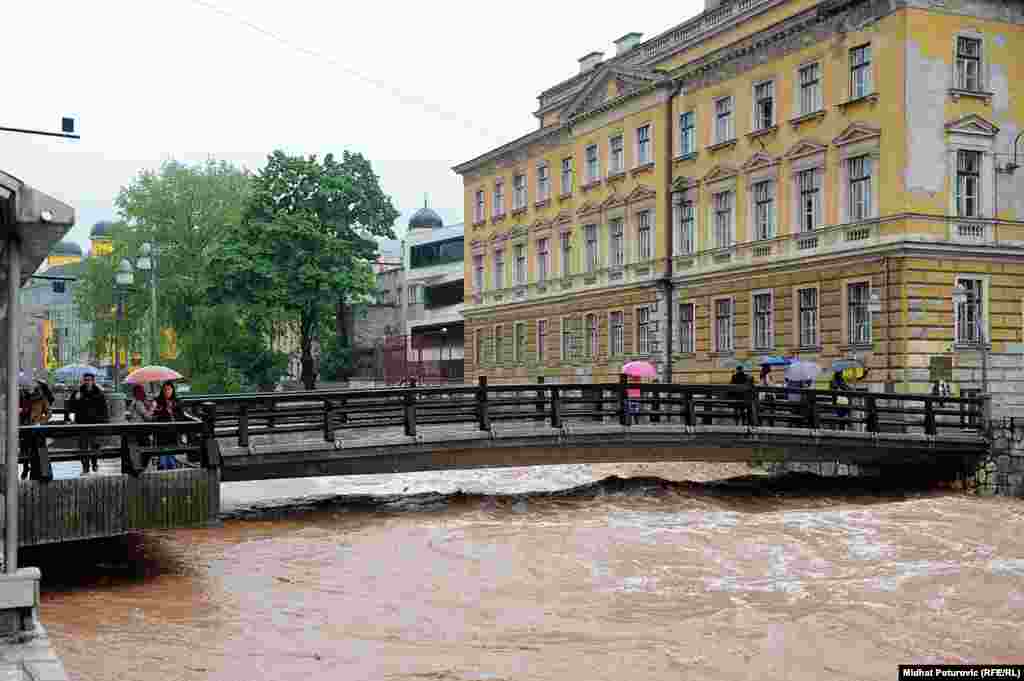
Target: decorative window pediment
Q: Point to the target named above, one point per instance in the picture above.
(804, 148)
(972, 124)
(640, 192)
(759, 161)
(613, 200)
(539, 224)
(857, 132)
(563, 217)
(720, 172)
(682, 183)
(606, 80)
(587, 208)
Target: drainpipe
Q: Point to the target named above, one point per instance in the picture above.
(11, 467)
(669, 232)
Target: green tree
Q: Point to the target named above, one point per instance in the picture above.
(344, 196)
(291, 264)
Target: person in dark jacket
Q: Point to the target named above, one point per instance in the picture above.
(168, 408)
(740, 377)
(88, 405)
(842, 402)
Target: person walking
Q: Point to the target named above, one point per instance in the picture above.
(842, 402)
(37, 413)
(88, 405)
(739, 377)
(166, 409)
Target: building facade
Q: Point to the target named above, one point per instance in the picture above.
(823, 179)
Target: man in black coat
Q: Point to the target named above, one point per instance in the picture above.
(88, 405)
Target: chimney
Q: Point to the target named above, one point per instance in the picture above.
(627, 42)
(589, 61)
(711, 4)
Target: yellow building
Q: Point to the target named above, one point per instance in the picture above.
(771, 177)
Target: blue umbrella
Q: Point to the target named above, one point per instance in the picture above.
(773, 361)
(75, 372)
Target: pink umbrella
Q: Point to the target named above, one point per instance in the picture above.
(152, 374)
(639, 369)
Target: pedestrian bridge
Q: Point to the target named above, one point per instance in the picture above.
(303, 434)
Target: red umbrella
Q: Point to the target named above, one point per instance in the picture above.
(152, 374)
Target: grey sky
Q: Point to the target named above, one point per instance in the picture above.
(156, 79)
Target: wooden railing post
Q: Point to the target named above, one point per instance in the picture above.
(753, 408)
(556, 409)
(210, 447)
(621, 399)
(813, 418)
(540, 400)
(410, 409)
(871, 413)
(929, 416)
(482, 410)
(689, 408)
(328, 430)
(243, 424)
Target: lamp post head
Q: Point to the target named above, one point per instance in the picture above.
(124, 275)
(145, 261)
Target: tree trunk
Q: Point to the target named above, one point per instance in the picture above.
(342, 323)
(308, 370)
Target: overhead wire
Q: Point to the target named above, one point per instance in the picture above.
(407, 99)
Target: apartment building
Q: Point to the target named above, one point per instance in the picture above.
(822, 179)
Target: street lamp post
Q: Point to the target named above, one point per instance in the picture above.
(123, 278)
(146, 262)
(963, 299)
(444, 344)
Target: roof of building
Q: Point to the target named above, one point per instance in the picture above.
(442, 234)
(101, 229)
(66, 248)
(425, 218)
(389, 248)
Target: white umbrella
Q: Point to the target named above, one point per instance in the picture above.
(802, 371)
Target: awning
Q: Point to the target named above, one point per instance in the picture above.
(38, 220)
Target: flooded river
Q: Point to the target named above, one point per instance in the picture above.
(563, 573)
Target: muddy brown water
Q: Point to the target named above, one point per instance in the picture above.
(566, 573)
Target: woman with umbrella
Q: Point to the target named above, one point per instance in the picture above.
(167, 409)
(638, 369)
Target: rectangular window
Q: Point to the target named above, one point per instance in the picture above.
(687, 340)
(616, 157)
(969, 313)
(567, 175)
(968, 64)
(723, 120)
(593, 166)
(723, 325)
(810, 88)
(764, 105)
(520, 264)
(615, 334)
(590, 236)
(643, 233)
(763, 339)
(592, 339)
(478, 211)
(543, 259)
(518, 191)
(479, 347)
(764, 210)
(643, 330)
(860, 187)
(567, 339)
(499, 348)
(809, 211)
(499, 198)
(543, 183)
(616, 257)
(860, 72)
(478, 272)
(723, 219)
(687, 134)
(499, 269)
(685, 229)
(643, 145)
(566, 243)
(542, 338)
(858, 315)
(968, 183)
(808, 320)
(519, 342)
